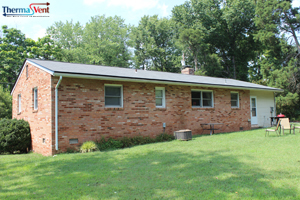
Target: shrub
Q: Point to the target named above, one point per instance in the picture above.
(164, 137)
(129, 142)
(109, 144)
(14, 136)
(88, 146)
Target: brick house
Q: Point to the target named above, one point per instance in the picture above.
(68, 103)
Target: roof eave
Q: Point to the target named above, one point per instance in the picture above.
(128, 79)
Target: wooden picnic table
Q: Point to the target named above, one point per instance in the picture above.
(211, 127)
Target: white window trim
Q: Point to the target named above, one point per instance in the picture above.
(163, 97)
(238, 99)
(121, 95)
(19, 103)
(201, 106)
(35, 103)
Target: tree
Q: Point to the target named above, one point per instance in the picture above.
(15, 48)
(222, 28)
(154, 42)
(102, 41)
(106, 41)
(12, 54)
(69, 36)
(277, 24)
(5, 103)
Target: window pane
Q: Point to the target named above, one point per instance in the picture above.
(234, 96)
(19, 103)
(112, 91)
(196, 95)
(233, 103)
(158, 93)
(206, 95)
(207, 103)
(35, 99)
(112, 101)
(158, 101)
(253, 112)
(253, 102)
(195, 102)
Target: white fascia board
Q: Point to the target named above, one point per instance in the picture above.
(157, 81)
(40, 67)
(36, 65)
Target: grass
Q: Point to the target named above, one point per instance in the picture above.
(240, 165)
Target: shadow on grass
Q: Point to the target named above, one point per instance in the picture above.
(144, 174)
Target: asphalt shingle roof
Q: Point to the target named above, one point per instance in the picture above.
(119, 72)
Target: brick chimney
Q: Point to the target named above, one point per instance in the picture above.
(188, 70)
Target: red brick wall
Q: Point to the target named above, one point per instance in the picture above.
(39, 120)
(82, 113)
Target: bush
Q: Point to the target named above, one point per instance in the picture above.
(164, 137)
(125, 142)
(14, 136)
(88, 146)
(109, 144)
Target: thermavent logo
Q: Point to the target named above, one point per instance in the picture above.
(34, 10)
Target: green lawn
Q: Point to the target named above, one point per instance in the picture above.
(241, 165)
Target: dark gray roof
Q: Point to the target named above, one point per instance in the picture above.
(119, 72)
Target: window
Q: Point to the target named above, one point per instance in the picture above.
(113, 96)
(202, 99)
(234, 99)
(73, 141)
(35, 98)
(19, 103)
(26, 71)
(160, 99)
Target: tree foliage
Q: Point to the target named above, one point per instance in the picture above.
(277, 24)
(5, 103)
(15, 48)
(102, 41)
(154, 42)
(218, 32)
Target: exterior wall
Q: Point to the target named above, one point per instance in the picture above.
(40, 119)
(83, 115)
(265, 100)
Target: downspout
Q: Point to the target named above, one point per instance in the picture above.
(275, 104)
(56, 113)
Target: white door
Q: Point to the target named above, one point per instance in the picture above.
(253, 107)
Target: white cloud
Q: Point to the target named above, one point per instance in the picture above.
(164, 8)
(133, 4)
(39, 34)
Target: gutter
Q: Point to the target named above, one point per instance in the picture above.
(56, 113)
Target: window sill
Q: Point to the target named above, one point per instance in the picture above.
(19, 113)
(235, 108)
(113, 108)
(35, 111)
(203, 108)
(160, 109)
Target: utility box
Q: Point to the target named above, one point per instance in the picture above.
(183, 134)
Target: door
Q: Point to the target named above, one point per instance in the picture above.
(253, 107)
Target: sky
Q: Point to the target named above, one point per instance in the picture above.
(83, 10)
